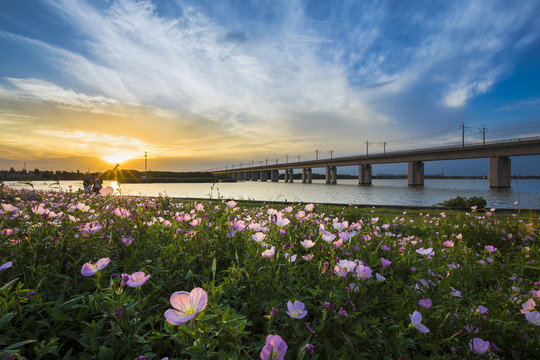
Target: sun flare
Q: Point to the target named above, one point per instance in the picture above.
(119, 157)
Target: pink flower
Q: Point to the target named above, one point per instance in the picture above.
(479, 346)
(528, 306)
(137, 279)
(6, 265)
(187, 306)
(363, 272)
(306, 244)
(230, 204)
(90, 269)
(274, 349)
(448, 243)
(127, 240)
(416, 318)
(490, 248)
(482, 309)
(291, 258)
(385, 263)
(428, 251)
(327, 236)
(269, 253)
(425, 303)
(108, 190)
(258, 237)
(455, 293)
(296, 310)
(342, 312)
(533, 317)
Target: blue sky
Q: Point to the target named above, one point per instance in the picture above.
(204, 84)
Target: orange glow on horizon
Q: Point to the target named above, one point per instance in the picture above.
(119, 157)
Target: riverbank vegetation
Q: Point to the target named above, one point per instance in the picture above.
(120, 175)
(103, 277)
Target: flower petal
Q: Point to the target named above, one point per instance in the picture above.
(422, 328)
(180, 300)
(175, 317)
(198, 298)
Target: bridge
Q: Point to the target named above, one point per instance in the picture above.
(498, 153)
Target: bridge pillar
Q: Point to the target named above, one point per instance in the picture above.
(499, 172)
(275, 175)
(291, 175)
(241, 176)
(254, 176)
(247, 175)
(364, 174)
(306, 175)
(415, 175)
(331, 174)
(328, 175)
(264, 175)
(235, 176)
(286, 176)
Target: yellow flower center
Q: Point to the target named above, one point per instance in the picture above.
(190, 311)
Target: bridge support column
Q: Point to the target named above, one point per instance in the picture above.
(364, 174)
(247, 175)
(291, 175)
(254, 176)
(499, 172)
(235, 176)
(306, 175)
(275, 176)
(415, 175)
(241, 176)
(264, 175)
(331, 174)
(286, 176)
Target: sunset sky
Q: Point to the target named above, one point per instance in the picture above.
(204, 84)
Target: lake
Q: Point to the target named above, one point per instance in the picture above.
(347, 191)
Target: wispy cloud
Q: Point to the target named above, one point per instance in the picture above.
(197, 81)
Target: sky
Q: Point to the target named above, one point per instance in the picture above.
(201, 85)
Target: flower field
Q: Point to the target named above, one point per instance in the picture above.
(112, 277)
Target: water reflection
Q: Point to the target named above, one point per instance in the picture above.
(382, 192)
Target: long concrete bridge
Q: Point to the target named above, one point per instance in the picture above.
(498, 153)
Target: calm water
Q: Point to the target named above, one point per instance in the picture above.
(382, 192)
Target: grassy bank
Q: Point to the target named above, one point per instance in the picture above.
(374, 283)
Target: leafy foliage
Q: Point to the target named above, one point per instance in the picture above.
(48, 309)
(465, 203)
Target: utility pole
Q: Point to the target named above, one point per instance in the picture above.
(145, 165)
(286, 159)
(298, 158)
(384, 147)
(266, 161)
(277, 161)
(483, 131)
(316, 154)
(367, 148)
(462, 126)
(331, 153)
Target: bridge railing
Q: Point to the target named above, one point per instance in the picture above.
(400, 152)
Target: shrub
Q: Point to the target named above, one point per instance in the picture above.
(465, 203)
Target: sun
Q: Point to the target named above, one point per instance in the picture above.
(119, 157)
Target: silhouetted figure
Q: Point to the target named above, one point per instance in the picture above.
(87, 184)
(98, 184)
